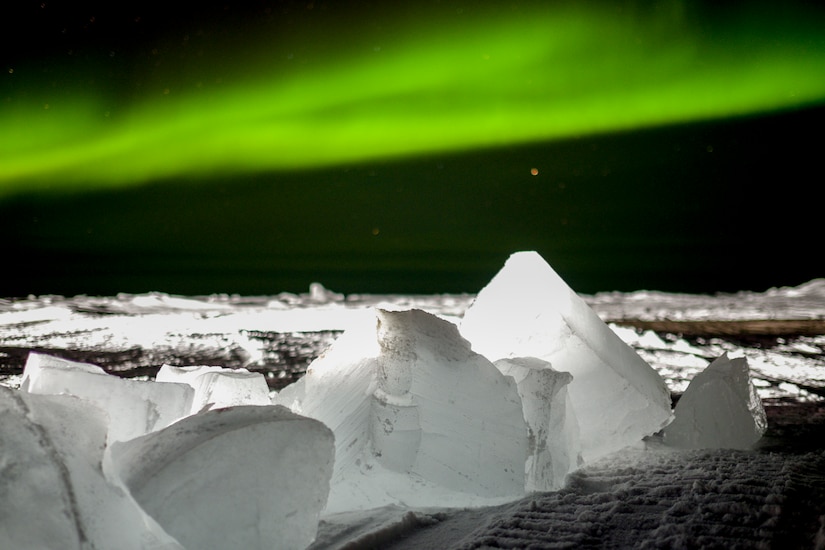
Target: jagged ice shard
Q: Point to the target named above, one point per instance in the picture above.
(419, 418)
(527, 310)
(553, 429)
(719, 410)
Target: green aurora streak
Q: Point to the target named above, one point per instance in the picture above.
(524, 77)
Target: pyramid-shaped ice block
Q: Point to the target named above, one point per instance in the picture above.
(719, 410)
(527, 310)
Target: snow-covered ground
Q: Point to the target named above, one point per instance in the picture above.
(279, 335)
(646, 495)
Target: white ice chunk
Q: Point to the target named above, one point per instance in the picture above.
(183, 375)
(527, 310)
(419, 418)
(551, 421)
(134, 407)
(53, 492)
(242, 477)
(719, 409)
(218, 387)
(38, 363)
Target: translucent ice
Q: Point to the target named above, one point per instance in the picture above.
(551, 421)
(53, 491)
(527, 310)
(218, 387)
(418, 417)
(134, 407)
(241, 477)
(719, 409)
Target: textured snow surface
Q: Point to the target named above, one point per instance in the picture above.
(657, 498)
(647, 496)
(527, 310)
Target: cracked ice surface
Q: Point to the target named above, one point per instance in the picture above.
(527, 310)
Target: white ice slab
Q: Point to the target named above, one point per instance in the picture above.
(134, 407)
(719, 410)
(527, 310)
(418, 418)
(555, 449)
(218, 387)
(242, 477)
(53, 492)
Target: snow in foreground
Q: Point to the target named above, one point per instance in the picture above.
(405, 412)
(646, 496)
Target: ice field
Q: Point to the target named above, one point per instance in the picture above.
(512, 418)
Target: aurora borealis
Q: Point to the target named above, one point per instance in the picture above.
(382, 147)
(418, 85)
